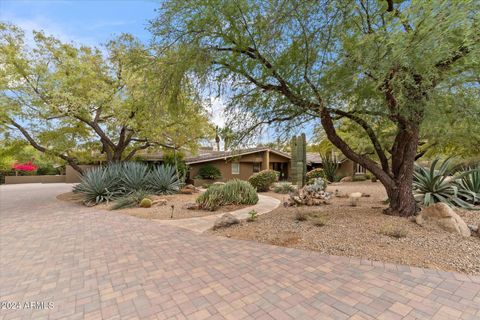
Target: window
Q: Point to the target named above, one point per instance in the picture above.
(257, 167)
(235, 168)
(359, 169)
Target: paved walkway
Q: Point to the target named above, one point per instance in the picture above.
(265, 204)
(97, 264)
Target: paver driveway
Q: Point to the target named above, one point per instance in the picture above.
(94, 264)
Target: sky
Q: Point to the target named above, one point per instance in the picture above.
(88, 22)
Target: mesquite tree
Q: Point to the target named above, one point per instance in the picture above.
(80, 103)
(365, 61)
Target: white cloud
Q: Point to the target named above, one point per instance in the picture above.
(216, 110)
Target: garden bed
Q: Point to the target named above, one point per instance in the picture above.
(364, 231)
(161, 212)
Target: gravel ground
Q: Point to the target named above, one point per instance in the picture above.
(157, 211)
(362, 232)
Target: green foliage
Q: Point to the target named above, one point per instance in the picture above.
(283, 187)
(313, 174)
(431, 185)
(330, 165)
(393, 231)
(131, 200)
(253, 215)
(99, 185)
(263, 180)
(145, 203)
(131, 181)
(468, 183)
(319, 184)
(234, 192)
(359, 177)
(163, 180)
(175, 160)
(208, 171)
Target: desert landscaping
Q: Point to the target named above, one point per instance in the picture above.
(363, 231)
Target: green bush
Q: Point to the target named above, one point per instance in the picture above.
(313, 174)
(208, 171)
(119, 180)
(330, 167)
(234, 192)
(263, 180)
(283, 187)
(431, 186)
(359, 177)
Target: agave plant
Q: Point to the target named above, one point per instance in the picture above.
(431, 186)
(98, 185)
(164, 180)
(134, 176)
(469, 183)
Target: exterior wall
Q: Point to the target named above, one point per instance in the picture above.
(34, 179)
(346, 168)
(72, 176)
(246, 166)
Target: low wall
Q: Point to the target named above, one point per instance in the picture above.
(72, 175)
(34, 179)
(202, 182)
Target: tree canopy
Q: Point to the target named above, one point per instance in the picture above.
(382, 65)
(108, 103)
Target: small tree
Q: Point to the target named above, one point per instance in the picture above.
(208, 171)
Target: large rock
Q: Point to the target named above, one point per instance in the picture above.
(444, 217)
(346, 179)
(226, 220)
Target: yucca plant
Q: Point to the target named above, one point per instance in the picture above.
(164, 180)
(134, 176)
(99, 185)
(131, 200)
(431, 186)
(329, 165)
(469, 183)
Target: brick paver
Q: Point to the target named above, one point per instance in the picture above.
(95, 264)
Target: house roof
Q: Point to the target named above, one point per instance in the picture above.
(223, 155)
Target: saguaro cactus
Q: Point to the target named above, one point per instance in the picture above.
(299, 160)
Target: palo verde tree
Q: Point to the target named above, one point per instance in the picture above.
(365, 61)
(68, 100)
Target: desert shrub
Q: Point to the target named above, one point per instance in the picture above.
(468, 183)
(253, 215)
(330, 166)
(131, 200)
(176, 160)
(283, 187)
(208, 171)
(393, 231)
(234, 192)
(318, 219)
(48, 169)
(300, 215)
(99, 185)
(163, 180)
(119, 180)
(359, 177)
(431, 186)
(263, 180)
(313, 174)
(319, 184)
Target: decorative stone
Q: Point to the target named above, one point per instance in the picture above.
(346, 179)
(225, 221)
(353, 197)
(159, 202)
(340, 194)
(445, 217)
(191, 206)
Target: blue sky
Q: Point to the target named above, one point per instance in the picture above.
(88, 22)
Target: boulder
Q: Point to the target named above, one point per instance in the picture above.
(225, 221)
(340, 194)
(445, 217)
(346, 179)
(353, 197)
(191, 206)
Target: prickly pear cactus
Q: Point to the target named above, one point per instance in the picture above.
(299, 160)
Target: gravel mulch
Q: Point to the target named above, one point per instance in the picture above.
(363, 231)
(161, 212)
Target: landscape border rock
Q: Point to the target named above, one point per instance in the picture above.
(445, 217)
